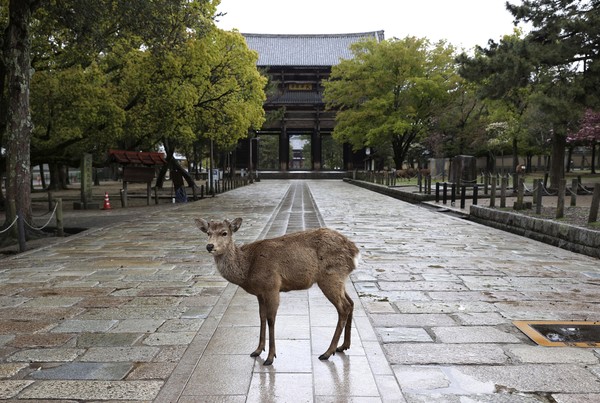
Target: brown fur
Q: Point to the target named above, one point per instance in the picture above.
(291, 262)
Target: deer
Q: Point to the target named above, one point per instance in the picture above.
(295, 261)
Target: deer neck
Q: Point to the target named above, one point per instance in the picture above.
(233, 265)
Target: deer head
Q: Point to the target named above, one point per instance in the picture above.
(220, 234)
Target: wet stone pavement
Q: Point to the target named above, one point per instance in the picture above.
(137, 312)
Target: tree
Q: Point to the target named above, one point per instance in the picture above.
(460, 124)
(517, 72)
(17, 59)
(206, 89)
(76, 33)
(588, 134)
(74, 111)
(564, 43)
(503, 73)
(389, 93)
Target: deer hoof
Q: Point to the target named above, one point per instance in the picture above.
(255, 354)
(341, 349)
(324, 357)
(268, 362)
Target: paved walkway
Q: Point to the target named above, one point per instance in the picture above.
(137, 312)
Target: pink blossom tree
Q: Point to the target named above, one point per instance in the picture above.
(588, 134)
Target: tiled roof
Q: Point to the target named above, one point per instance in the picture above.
(135, 157)
(305, 50)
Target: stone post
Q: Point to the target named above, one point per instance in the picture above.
(503, 186)
(560, 203)
(595, 204)
(493, 193)
(574, 186)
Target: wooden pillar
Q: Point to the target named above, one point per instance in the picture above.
(316, 146)
(284, 150)
(347, 157)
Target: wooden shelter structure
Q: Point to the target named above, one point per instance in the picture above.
(298, 64)
(137, 166)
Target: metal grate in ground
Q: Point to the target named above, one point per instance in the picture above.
(561, 334)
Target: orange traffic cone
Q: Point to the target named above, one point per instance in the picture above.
(106, 202)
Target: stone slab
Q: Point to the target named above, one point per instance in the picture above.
(553, 355)
(93, 390)
(427, 353)
(85, 370)
(119, 354)
(46, 355)
(403, 334)
(87, 340)
(473, 334)
(555, 378)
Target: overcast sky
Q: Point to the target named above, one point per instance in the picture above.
(464, 23)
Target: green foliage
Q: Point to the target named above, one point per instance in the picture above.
(74, 112)
(268, 152)
(332, 153)
(545, 77)
(231, 101)
(136, 74)
(390, 93)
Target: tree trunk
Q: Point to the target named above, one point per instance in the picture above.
(19, 126)
(42, 176)
(593, 158)
(557, 161)
(400, 146)
(55, 176)
(515, 152)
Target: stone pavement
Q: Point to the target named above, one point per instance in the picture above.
(136, 311)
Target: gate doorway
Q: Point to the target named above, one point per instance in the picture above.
(300, 147)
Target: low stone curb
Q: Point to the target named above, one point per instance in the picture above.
(565, 236)
(396, 193)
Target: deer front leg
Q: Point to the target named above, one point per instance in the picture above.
(263, 324)
(272, 303)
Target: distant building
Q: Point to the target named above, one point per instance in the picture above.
(301, 131)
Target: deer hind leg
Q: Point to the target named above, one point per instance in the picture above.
(348, 330)
(336, 294)
(263, 325)
(271, 303)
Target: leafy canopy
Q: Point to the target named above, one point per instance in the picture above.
(388, 95)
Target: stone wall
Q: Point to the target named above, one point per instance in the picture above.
(575, 239)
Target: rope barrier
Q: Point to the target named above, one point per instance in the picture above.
(547, 192)
(579, 185)
(10, 226)
(30, 226)
(45, 225)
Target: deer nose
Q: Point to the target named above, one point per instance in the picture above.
(210, 247)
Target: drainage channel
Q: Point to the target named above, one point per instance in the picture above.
(296, 212)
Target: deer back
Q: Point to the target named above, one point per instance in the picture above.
(296, 261)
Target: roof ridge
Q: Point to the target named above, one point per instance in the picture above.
(349, 34)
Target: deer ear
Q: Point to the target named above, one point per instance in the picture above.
(236, 224)
(202, 224)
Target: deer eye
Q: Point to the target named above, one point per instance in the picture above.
(224, 233)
